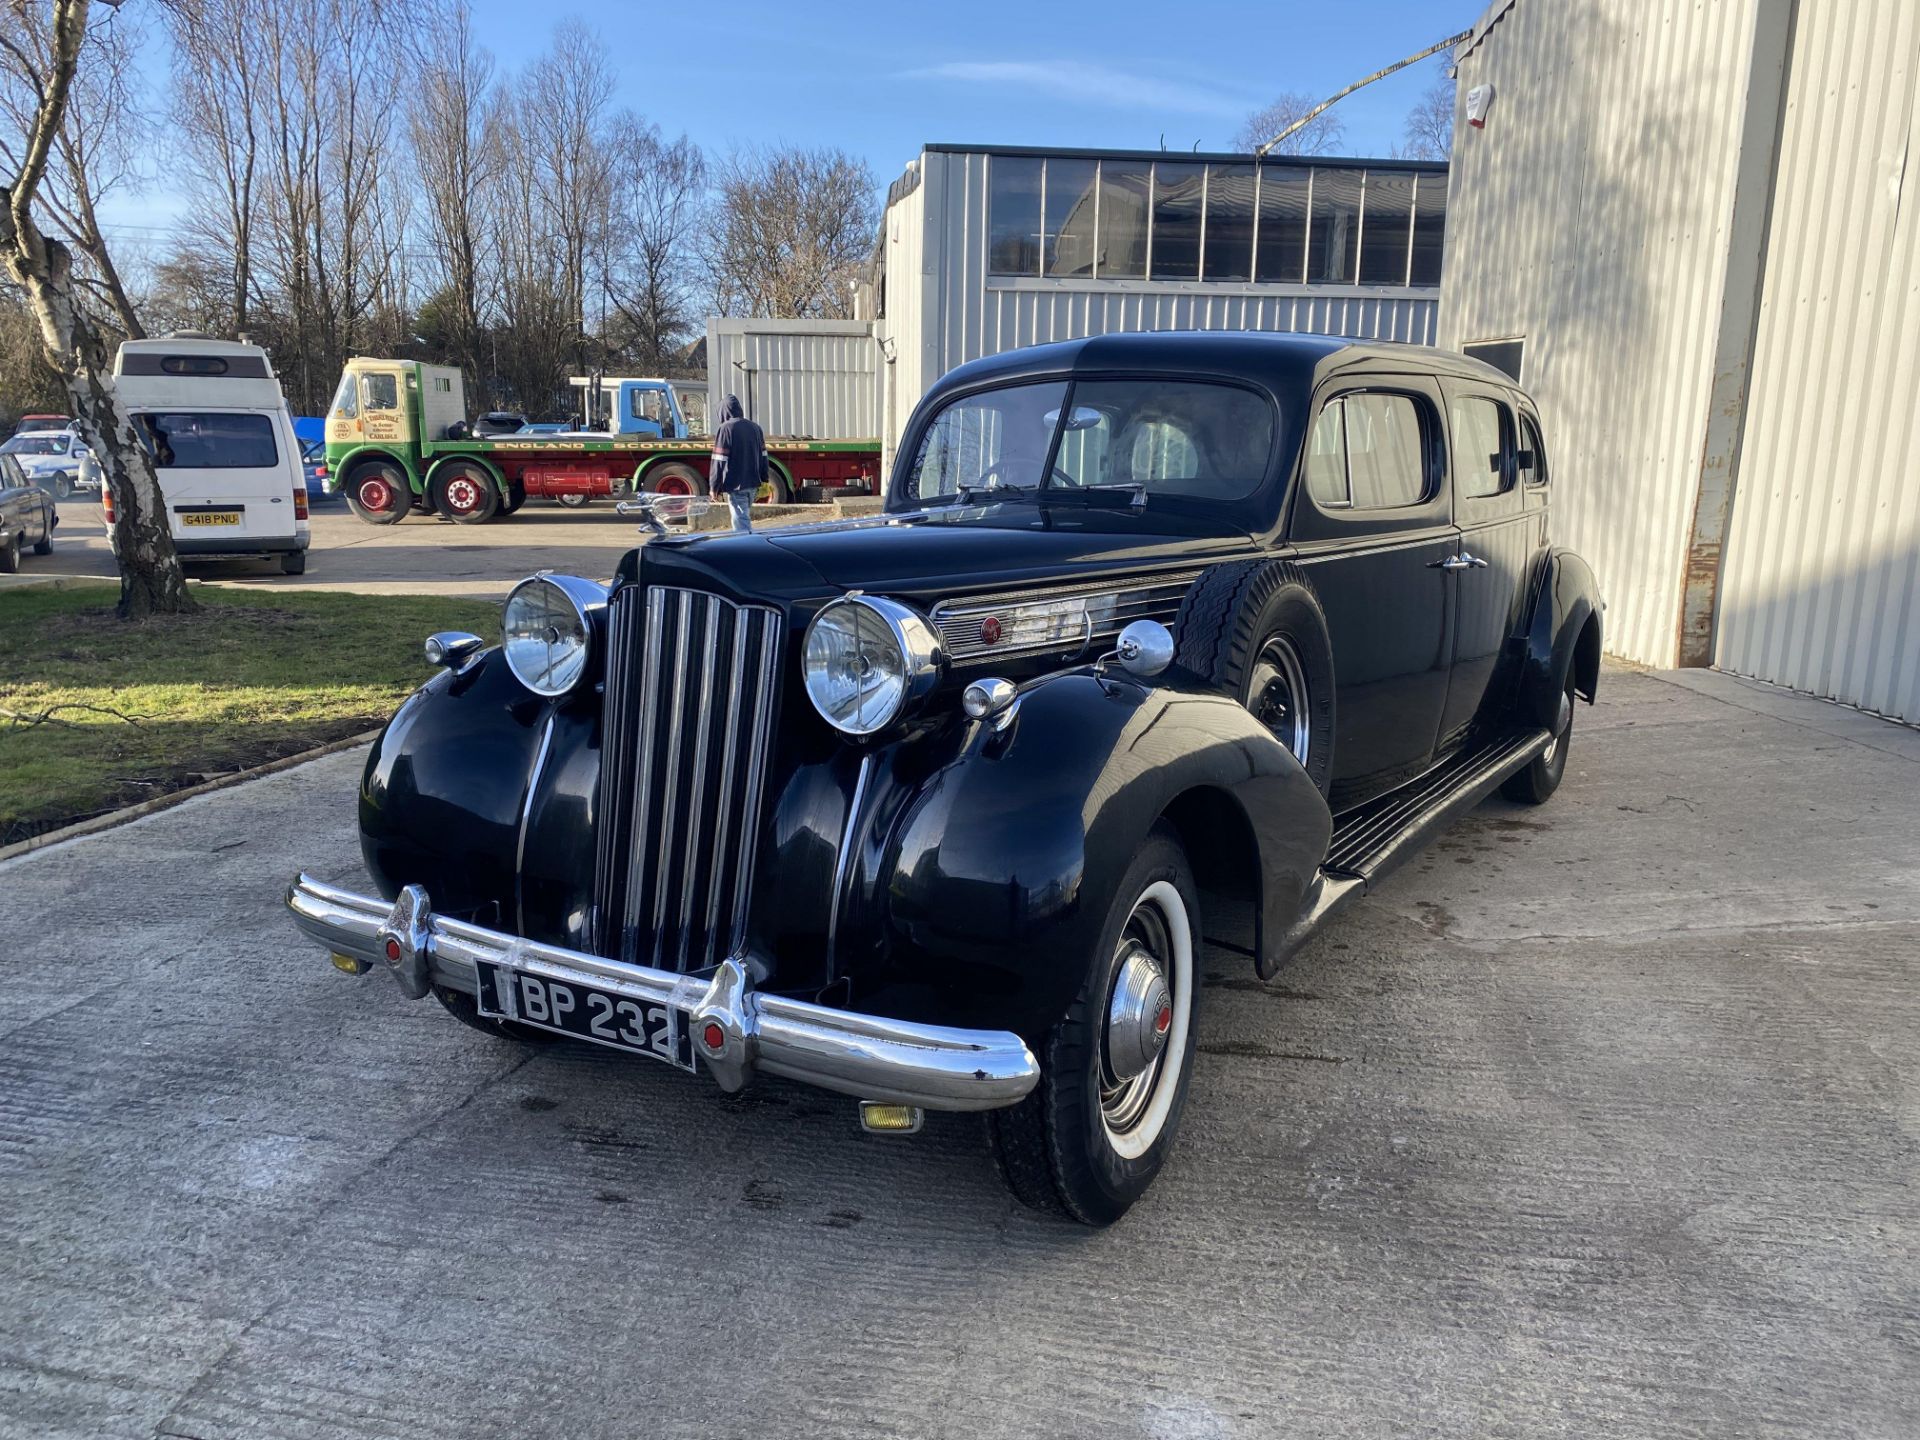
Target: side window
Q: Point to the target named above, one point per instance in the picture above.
(1327, 458)
(1482, 436)
(1533, 453)
(380, 390)
(1386, 466)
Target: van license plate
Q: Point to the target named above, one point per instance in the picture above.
(584, 1012)
(210, 517)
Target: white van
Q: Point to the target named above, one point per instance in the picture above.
(216, 422)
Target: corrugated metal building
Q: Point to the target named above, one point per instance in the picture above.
(1686, 219)
(984, 250)
(812, 378)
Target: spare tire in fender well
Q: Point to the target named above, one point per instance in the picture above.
(1230, 614)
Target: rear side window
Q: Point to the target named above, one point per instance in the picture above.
(1533, 453)
(1368, 452)
(1482, 435)
(197, 441)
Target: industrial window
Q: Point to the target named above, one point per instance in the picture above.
(442, 385)
(1014, 214)
(1368, 452)
(1179, 206)
(1533, 457)
(1482, 435)
(1282, 240)
(1125, 191)
(1429, 229)
(1385, 234)
(1333, 235)
(1070, 210)
(1230, 197)
(1070, 217)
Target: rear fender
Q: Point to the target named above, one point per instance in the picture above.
(1563, 636)
(986, 900)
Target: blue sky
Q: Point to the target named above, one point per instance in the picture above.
(881, 79)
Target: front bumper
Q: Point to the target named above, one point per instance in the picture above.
(867, 1056)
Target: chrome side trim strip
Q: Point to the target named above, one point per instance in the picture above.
(526, 816)
(849, 837)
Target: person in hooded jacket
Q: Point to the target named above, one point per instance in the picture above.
(739, 465)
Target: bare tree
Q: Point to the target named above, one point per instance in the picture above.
(449, 123)
(151, 578)
(563, 118)
(658, 188)
(218, 92)
(1429, 128)
(789, 228)
(1323, 135)
(93, 148)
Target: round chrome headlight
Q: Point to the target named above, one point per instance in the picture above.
(546, 632)
(866, 660)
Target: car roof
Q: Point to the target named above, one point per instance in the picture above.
(1277, 359)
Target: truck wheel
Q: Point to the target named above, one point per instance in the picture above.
(516, 496)
(676, 479)
(1089, 1139)
(62, 488)
(1533, 785)
(378, 493)
(573, 502)
(776, 491)
(1255, 629)
(294, 562)
(44, 545)
(465, 494)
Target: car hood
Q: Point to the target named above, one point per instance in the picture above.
(1004, 545)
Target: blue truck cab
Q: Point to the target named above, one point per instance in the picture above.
(652, 408)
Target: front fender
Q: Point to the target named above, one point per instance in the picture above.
(1563, 634)
(996, 880)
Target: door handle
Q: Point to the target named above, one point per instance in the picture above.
(1462, 561)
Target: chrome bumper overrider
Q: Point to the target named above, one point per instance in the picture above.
(867, 1056)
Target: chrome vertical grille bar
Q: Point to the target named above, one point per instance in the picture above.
(686, 773)
(731, 702)
(692, 845)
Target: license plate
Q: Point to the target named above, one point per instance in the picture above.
(210, 517)
(585, 1012)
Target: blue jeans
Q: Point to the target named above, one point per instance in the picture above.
(741, 503)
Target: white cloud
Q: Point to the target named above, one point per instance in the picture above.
(1089, 84)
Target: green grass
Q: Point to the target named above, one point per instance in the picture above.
(97, 712)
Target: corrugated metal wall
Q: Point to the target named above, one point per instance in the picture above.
(1820, 587)
(1591, 215)
(942, 309)
(813, 378)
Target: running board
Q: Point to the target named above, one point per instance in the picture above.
(1372, 842)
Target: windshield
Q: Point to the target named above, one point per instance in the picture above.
(12, 477)
(1195, 439)
(35, 445)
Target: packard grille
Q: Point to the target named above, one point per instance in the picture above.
(688, 721)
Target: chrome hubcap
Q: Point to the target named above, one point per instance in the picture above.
(1278, 695)
(1139, 1018)
(1562, 722)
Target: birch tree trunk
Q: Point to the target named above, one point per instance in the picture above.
(151, 580)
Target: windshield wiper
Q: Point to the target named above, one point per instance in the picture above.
(975, 494)
(1132, 493)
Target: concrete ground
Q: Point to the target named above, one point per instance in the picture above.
(1599, 1119)
(422, 555)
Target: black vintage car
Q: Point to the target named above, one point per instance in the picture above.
(28, 516)
(1159, 636)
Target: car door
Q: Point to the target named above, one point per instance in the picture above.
(1372, 526)
(1499, 532)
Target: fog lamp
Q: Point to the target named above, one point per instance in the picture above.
(881, 1119)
